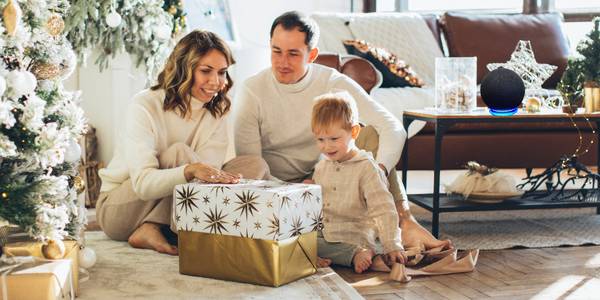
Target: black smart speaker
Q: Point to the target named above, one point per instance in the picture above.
(502, 90)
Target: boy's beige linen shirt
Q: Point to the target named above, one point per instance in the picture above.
(357, 205)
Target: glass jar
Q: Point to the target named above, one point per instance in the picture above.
(455, 84)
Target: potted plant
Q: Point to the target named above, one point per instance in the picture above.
(589, 49)
(571, 85)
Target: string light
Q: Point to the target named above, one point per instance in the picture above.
(4, 195)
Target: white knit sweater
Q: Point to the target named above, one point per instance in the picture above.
(273, 120)
(149, 131)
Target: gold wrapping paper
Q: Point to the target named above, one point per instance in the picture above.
(35, 249)
(263, 262)
(40, 281)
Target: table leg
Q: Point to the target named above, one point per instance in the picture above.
(598, 159)
(440, 129)
(406, 122)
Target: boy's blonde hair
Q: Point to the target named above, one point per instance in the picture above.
(334, 109)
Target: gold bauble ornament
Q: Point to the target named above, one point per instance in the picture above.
(533, 105)
(55, 25)
(45, 71)
(54, 249)
(79, 184)
(11, 15)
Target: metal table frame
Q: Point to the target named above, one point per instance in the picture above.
(442, 123)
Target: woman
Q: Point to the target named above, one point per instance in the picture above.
(176, 131)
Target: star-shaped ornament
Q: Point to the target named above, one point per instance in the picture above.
(522, 61)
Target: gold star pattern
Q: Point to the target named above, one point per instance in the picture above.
(247, 203)
(306, 196)
(236, 223)
(215, 221)
(274, 226)
(205, 200)
(226, 201)
(522, 61)
(257, 225)
(196, 220)
(186, 197)
(270, 204)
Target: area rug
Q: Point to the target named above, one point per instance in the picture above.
(122, 272)
(516, 229)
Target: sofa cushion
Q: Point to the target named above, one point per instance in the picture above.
(333, 29)
(404, 34)
(395, 72)
(492, 38)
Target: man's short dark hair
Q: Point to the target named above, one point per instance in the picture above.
(294, 19)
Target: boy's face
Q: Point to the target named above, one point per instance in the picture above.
(290, 55)
(336, 142)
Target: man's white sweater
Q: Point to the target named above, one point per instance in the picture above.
(273, 120)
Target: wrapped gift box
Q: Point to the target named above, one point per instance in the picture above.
(33, 248)
(261, 232)
(39, 280)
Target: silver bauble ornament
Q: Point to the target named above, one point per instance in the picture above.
(113, 19)
(87, 258)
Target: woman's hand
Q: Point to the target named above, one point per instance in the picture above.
(209, 174)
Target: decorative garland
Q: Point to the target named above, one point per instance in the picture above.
(40, 122)
(141, 28)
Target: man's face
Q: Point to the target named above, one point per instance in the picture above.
(290, 56)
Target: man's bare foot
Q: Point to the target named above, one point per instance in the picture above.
(379, 264)
(414, 235)
(362, 260)
(148, 236)
(323, 262)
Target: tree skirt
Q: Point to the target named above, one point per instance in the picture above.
(509, 229)
(122, 272)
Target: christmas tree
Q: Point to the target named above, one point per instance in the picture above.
(40, 122)
(589, 49)
(141, 28)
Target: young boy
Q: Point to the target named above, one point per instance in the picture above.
(357, 205)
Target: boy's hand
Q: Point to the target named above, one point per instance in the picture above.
(397, 256)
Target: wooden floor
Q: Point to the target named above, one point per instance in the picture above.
(550, 273)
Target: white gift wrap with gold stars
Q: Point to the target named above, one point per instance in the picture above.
(255, 209)
(260, 232)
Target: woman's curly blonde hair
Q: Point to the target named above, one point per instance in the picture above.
(177, 78)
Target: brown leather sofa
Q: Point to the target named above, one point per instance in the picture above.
(492, 38)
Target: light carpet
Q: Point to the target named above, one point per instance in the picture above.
(122, 272)
(509, 229)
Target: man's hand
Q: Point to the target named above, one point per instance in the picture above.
(397, 256)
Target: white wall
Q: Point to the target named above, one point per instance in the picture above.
(107, 94)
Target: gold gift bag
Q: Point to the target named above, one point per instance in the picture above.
(263, 262)
(35, 249)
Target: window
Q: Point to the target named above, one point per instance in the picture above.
(436, 5)
(576, 4)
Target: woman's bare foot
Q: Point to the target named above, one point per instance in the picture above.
(362, 260)
(323, 262)
(379, 264)
(148, 236)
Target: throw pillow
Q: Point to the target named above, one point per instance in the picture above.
(395, 72)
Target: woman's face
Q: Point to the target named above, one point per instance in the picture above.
(209, 75)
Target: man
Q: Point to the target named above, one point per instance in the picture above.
(275, 105)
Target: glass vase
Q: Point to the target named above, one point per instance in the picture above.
(455, 84)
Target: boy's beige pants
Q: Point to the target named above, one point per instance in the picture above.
(120, 211)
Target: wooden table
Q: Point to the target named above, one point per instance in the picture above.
(437, 203)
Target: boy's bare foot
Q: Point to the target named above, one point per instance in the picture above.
(379, 264)
(323, 262)
(148, 236)
(362, 260)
